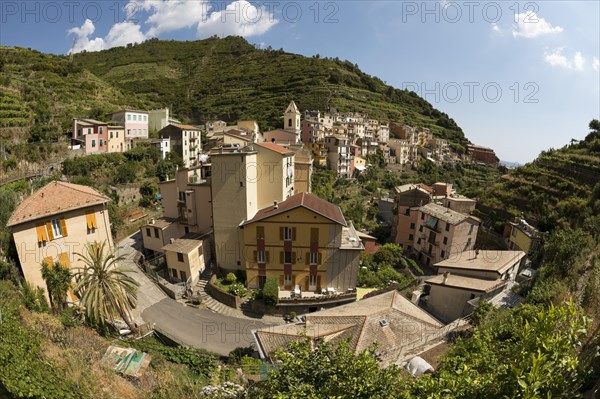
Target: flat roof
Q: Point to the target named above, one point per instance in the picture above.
(183, 245)
(161, 223)
(446, 214)
(485, 260)
(469, 283)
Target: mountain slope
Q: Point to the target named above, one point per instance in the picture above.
(230, 79)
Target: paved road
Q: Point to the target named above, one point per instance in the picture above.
(194, 327)
(148, 293)
(201, 328)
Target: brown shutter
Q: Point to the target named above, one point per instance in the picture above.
(267, 256)
(281, 280)
(293, 280)
(293, 234)
(64, 260)
(63, 227)
(306, 283)
(49, 229)
(320, 259)
(293, 258)
(314, 235)
(281, 257)
(307, 260)
(255, 256)
(281, 233)
(48, 260)
(318, 283)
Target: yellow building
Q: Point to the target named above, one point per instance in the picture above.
(319, 152)
(521, 235)
(186, 257)
(54, 223)
(303, 241)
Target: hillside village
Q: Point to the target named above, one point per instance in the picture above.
(204, 259)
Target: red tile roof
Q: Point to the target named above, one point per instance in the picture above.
(275, 147)
(185, 127)
(305, 200)
(55, 197)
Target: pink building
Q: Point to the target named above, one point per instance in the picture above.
(91, 135)
(135, 122)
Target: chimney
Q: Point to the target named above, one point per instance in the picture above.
(171, 240)
(416, 295)
(445, 278)
(275, 204)
(273, 140)
(152, 221)
(476, 253)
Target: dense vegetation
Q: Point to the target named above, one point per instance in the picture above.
(232, 80)
(529, 352)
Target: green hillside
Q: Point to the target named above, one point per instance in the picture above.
(40, 93)
(230, 79)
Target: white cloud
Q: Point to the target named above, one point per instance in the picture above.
(120, 34)
(496, 29)
(557, 59)
(240, 18)
(529, 25)
(596, 64)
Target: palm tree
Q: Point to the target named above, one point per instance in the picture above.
(104, 288)
(58, 280)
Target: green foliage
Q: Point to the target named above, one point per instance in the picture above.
(563, 247)
(58, 280)
(384, 267)
(329, 372)
(23, 370)
(200, 363)
(270, 292)
(230, 278)
(33, 298)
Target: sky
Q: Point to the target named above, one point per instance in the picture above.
(519, 77)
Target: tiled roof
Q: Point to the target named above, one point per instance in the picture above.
(276, 148)
(470, 283)
(306, 200)
(486, 260)
(445, 214)
(185, 127)
(54, 198)
(383, 319)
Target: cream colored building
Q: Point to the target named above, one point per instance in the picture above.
(116, 139)
(187, 258)
(56, 222)
(244, 181)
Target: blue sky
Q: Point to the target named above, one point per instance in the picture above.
(519, 77)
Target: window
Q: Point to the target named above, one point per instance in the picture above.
(419, 241)
(471, 229)
(287, 257)
(312, 280)
(445, 240)
(407, 213)
(443, 254)
(420, 229)
(422, 216)
(101, 142)
(314, 258)
(289, 123)
(135, 117)
(260, 232)
(56, 228)
(186, 229)
(100, 129)
(260, 257)
(111, 135)
(411, 237)
(148, 233)
(174, 272)
(89, 130)
(145, 118)
(183, 276)
(156, 232)
(179, 257)
(287, 233)
(128, 117)
(447, 226)
(287, 280)
(93, 143)
(412, 226)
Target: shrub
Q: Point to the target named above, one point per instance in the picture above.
(238, 289)
(230, 278)
(271, 292)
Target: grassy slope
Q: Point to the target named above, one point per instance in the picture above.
(230, 79)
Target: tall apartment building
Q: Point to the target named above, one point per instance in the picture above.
(441, 232)
(339, 154)
(482, 154)
(244, 181)
(409, 198)
(185, 140)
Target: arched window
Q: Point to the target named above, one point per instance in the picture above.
(290, 122)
